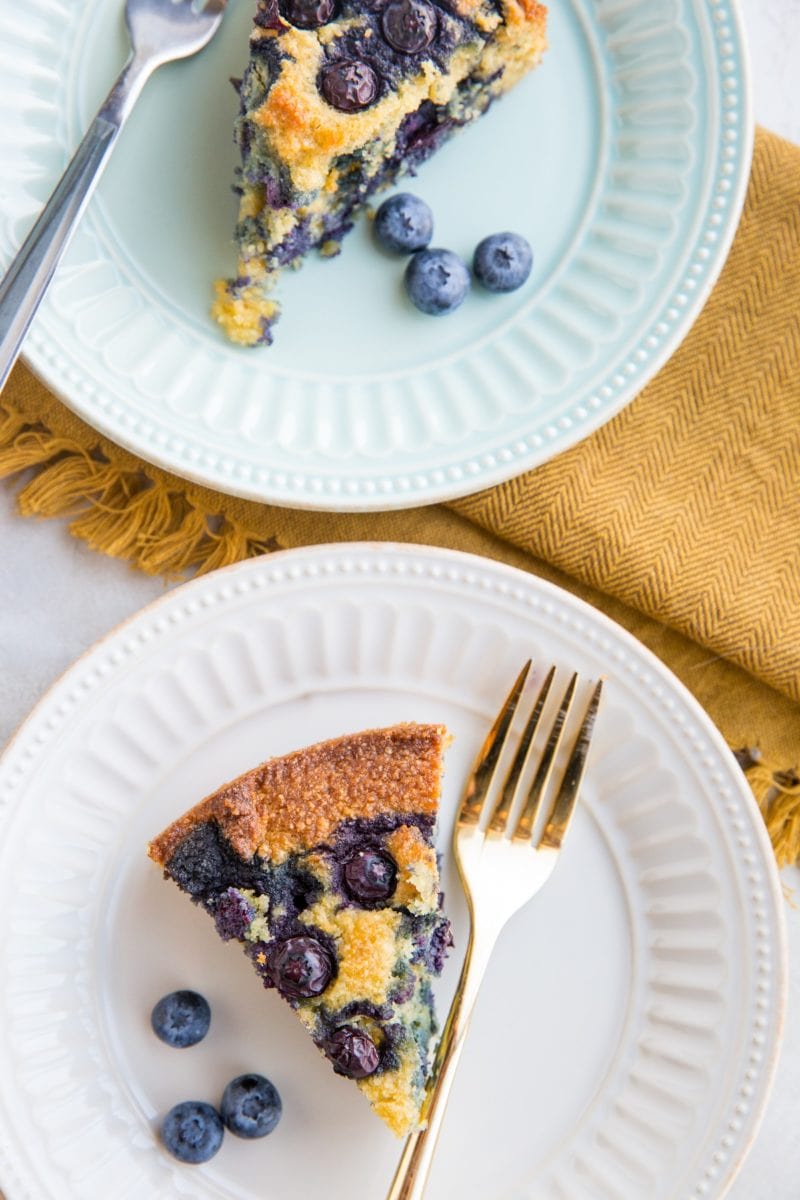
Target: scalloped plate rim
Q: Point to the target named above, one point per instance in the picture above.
(423, 490)
(533, 584)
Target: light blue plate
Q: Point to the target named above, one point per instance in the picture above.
(624, 159)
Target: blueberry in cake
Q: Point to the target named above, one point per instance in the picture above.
(322, 865)
(340, 98)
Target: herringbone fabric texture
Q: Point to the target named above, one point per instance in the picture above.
(680, 518)
(686, 506)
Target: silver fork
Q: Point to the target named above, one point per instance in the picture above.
(160, 31)
(501, 869)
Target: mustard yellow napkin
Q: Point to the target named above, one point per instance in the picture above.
(680, 518)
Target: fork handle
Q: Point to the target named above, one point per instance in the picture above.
(412, 1172)
(30, 273)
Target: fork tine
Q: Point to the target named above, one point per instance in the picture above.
(521, 760)
(564, 803)
(485, 765)
(527, 820)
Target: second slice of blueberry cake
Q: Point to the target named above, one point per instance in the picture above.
(339, 98)
(321, 864)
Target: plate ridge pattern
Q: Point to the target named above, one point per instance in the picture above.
(563, 365)
(688, 960)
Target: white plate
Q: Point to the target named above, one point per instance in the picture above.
(624, 159)
(625, 1041)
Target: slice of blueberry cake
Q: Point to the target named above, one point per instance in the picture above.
(340, 97)
(322, 865)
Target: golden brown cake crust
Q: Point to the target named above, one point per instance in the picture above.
(292, 133)
(293, 803)
(308, 135)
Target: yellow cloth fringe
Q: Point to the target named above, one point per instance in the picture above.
(125, 514)
(778, 796)
(680, 518)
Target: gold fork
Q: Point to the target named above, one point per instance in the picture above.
(501, 869)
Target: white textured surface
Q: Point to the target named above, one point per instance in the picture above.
(643, 991)
(644, 121)
(57, 598)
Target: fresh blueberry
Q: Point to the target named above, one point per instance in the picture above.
(502, 262)
(192, 1131)
(349, 85)
(352, 1052)
(181, 1019)
(251, 1106)
(403, 223)
(437, 281)
(369, 875)
(300, 967)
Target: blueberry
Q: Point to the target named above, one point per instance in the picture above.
(409, 25)
(232, 914)
(403, 223)
(308, 14)
(192, 1131)
(440, 943)
(251, 1106)
(369, 875)
(181, 1019)
(503, 262)
(352, 1052)
(300, 967)
(437, 281)
(349, 85)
